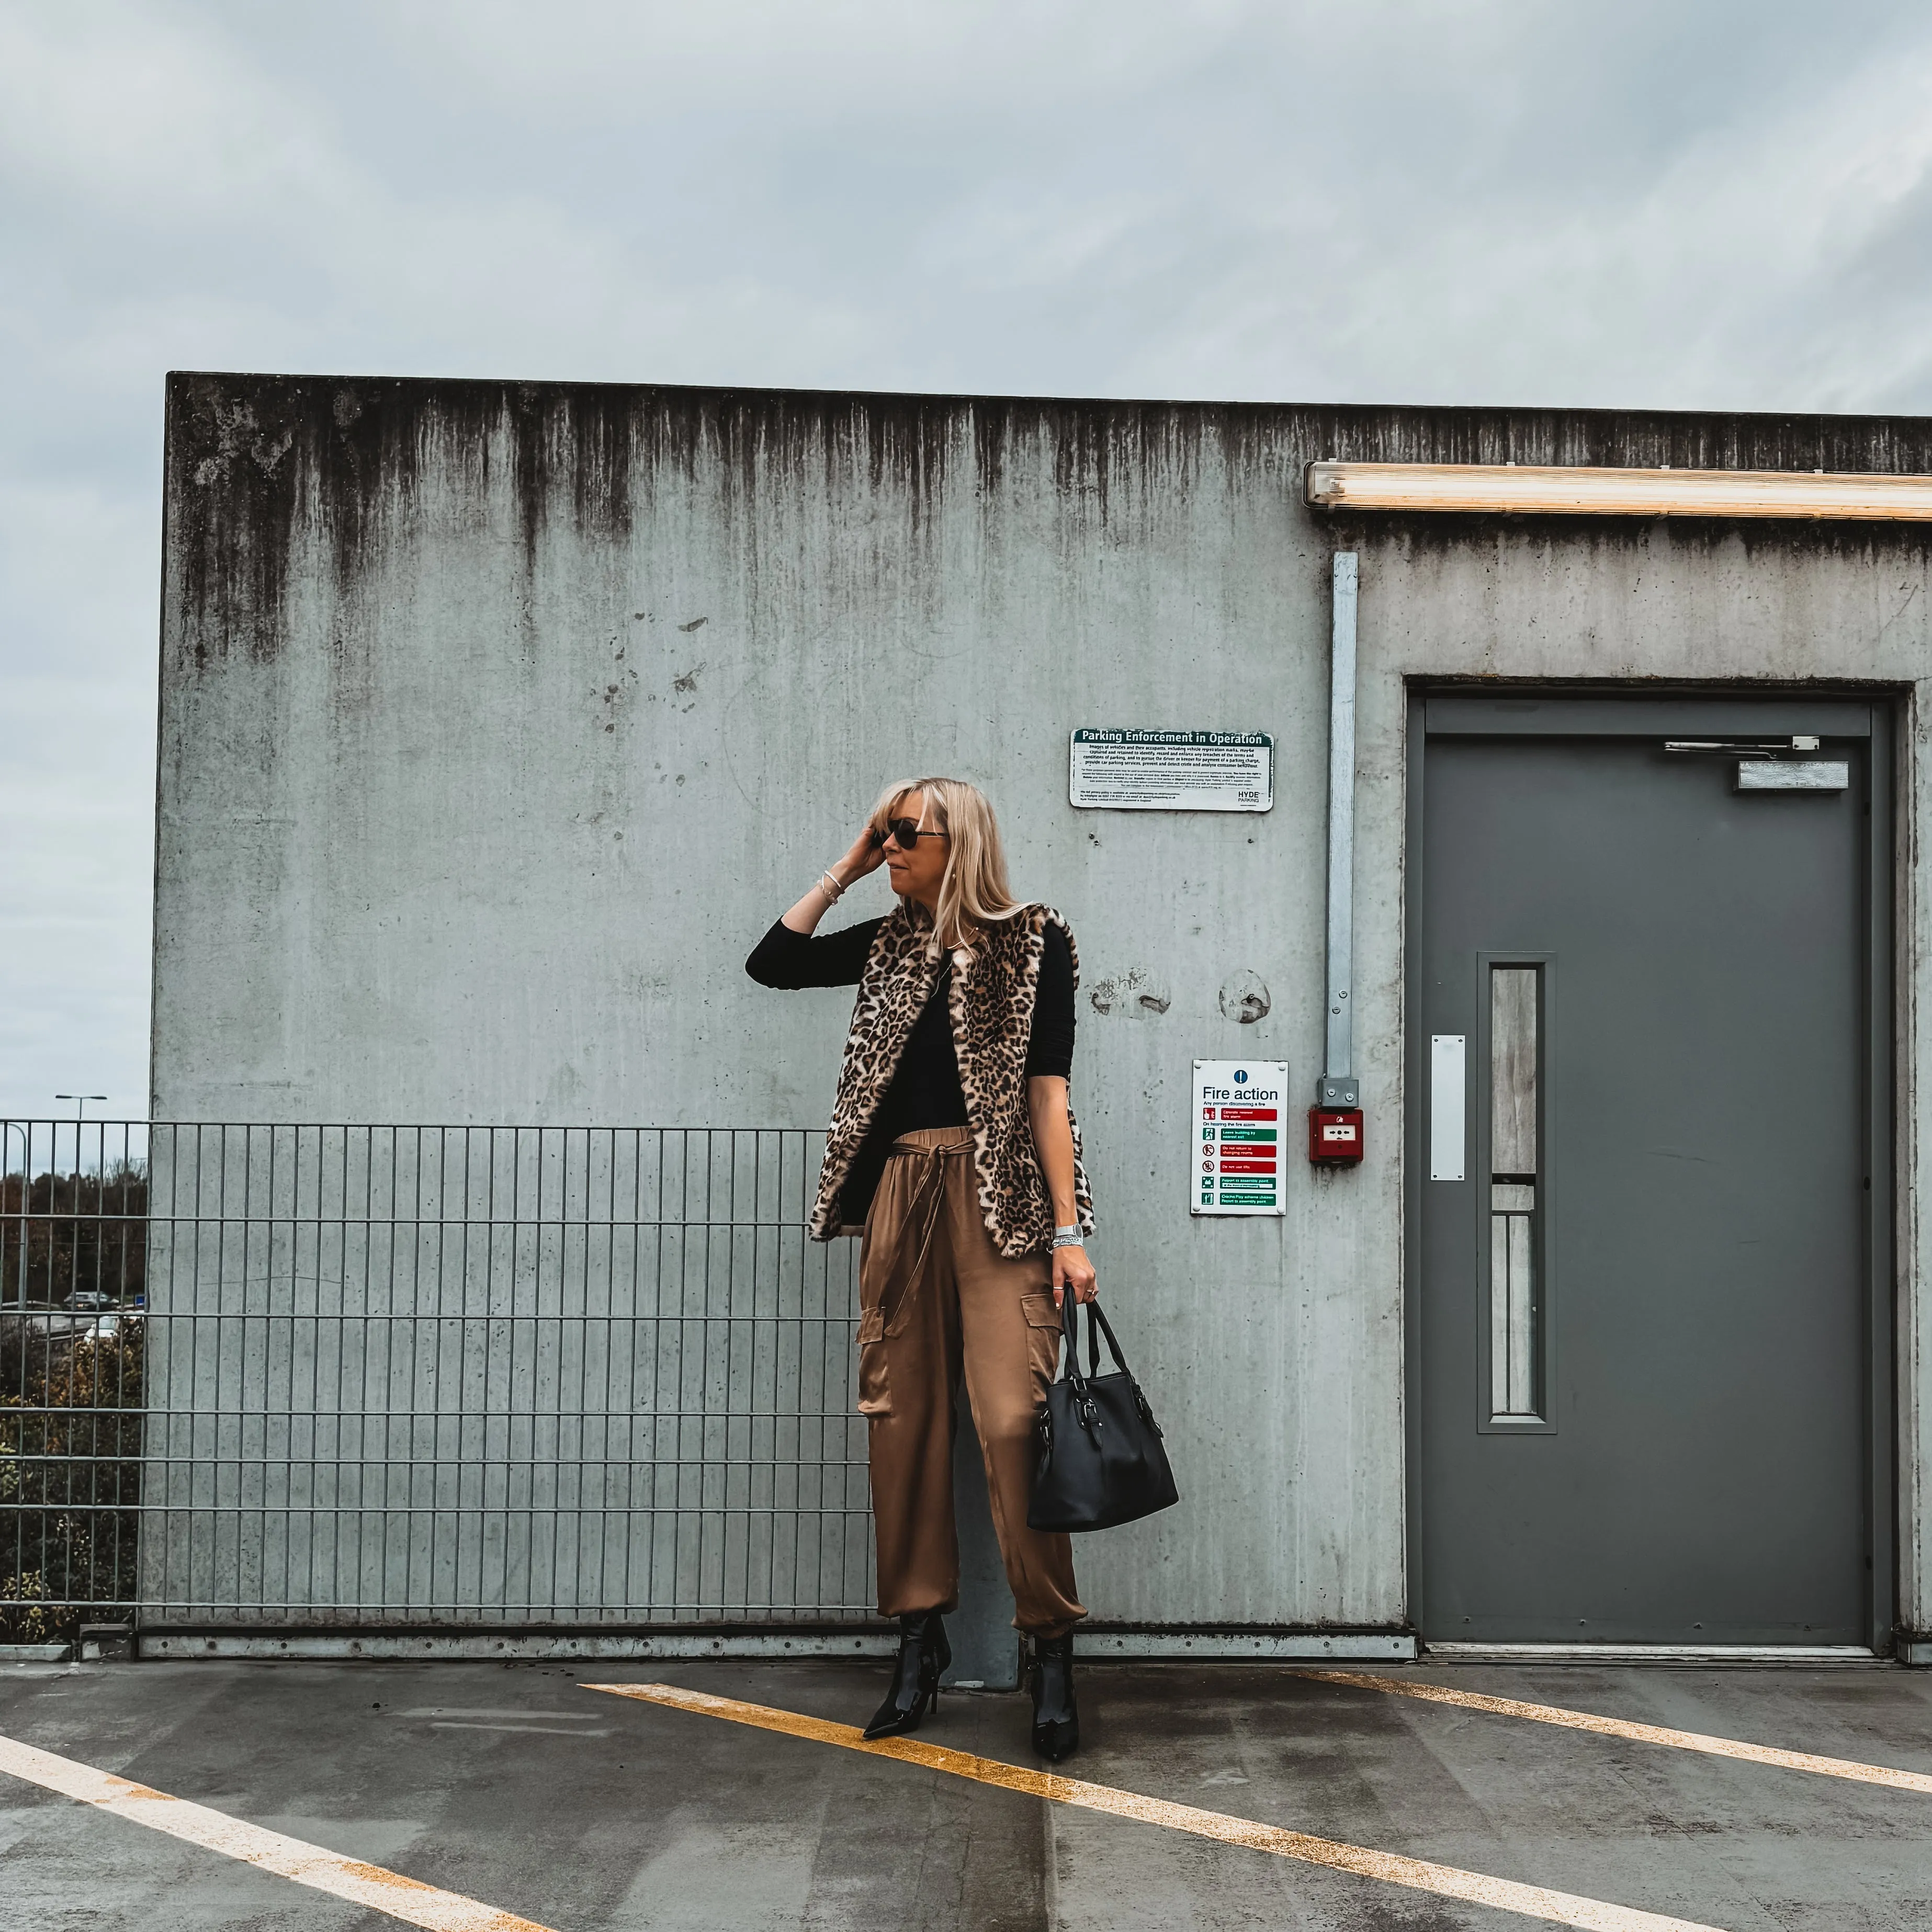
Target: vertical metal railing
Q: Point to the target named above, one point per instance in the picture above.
(510, 1376)
(73, 1231)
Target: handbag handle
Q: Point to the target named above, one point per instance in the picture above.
(1097, 1325)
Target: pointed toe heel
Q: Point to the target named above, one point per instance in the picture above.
(924, 1655)
(1056, 1716)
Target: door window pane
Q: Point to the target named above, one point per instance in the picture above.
(1515, 1226)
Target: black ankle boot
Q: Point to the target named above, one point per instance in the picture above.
(924, 1653)
(1056, 1717)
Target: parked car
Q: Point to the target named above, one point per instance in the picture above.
(90, 1298)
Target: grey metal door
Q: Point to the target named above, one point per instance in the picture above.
(1643, 1207)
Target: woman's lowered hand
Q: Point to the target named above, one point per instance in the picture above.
(1072, 1269)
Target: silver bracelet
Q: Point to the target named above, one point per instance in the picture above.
(833, 891)
(1069, 1237)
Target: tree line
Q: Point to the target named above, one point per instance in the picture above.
(61, 1232)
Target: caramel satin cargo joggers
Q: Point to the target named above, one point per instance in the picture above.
(935, 1296)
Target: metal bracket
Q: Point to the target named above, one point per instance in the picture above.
(1741, 748)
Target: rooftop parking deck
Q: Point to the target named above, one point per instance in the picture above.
(1208, 1795)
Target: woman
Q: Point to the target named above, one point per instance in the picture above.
(951, 1147)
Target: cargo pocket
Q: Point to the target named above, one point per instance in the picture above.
(875, 1394)
(1042, 1321)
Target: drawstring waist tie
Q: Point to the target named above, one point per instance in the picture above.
(933, 1147)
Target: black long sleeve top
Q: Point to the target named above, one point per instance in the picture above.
(925, 1090)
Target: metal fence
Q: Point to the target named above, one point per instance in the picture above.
(430, 1376)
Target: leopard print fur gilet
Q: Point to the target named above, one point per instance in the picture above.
(990, 1002)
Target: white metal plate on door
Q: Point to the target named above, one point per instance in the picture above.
(1447, 1106)
(1794, 775)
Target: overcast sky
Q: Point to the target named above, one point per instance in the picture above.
(1706, 203)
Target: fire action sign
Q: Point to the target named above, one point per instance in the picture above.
(1239, 1108)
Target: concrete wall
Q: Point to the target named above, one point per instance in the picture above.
(499, 720)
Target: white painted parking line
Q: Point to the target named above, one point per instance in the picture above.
(312, 1865)
(516, 1715)
(514, 1730)
(1527, 1901)
(1647, 1734)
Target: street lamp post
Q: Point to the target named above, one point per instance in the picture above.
(80, 1101)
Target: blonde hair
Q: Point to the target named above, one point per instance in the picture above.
(974, 892)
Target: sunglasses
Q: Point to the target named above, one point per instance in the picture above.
(906, 831)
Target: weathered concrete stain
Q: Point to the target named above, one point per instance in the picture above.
(1244, 999)
(258, 464)
(1136, 991)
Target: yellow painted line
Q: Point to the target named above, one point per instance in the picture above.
(1647, 1734)
(312, 1865)
(1530, 1901)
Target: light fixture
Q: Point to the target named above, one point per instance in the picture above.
(1540, 490)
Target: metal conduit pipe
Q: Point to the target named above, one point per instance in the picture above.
(1338, 1087)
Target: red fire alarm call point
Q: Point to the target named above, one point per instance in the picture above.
(1334, 1135)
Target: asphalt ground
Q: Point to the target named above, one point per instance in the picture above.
(518, 1787)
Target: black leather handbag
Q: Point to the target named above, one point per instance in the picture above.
(1101, 1461)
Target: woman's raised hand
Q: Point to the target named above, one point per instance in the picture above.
(864, 857)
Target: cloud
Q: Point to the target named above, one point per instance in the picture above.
(1494, 201)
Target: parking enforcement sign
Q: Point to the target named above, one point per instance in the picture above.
(1240, 1109)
